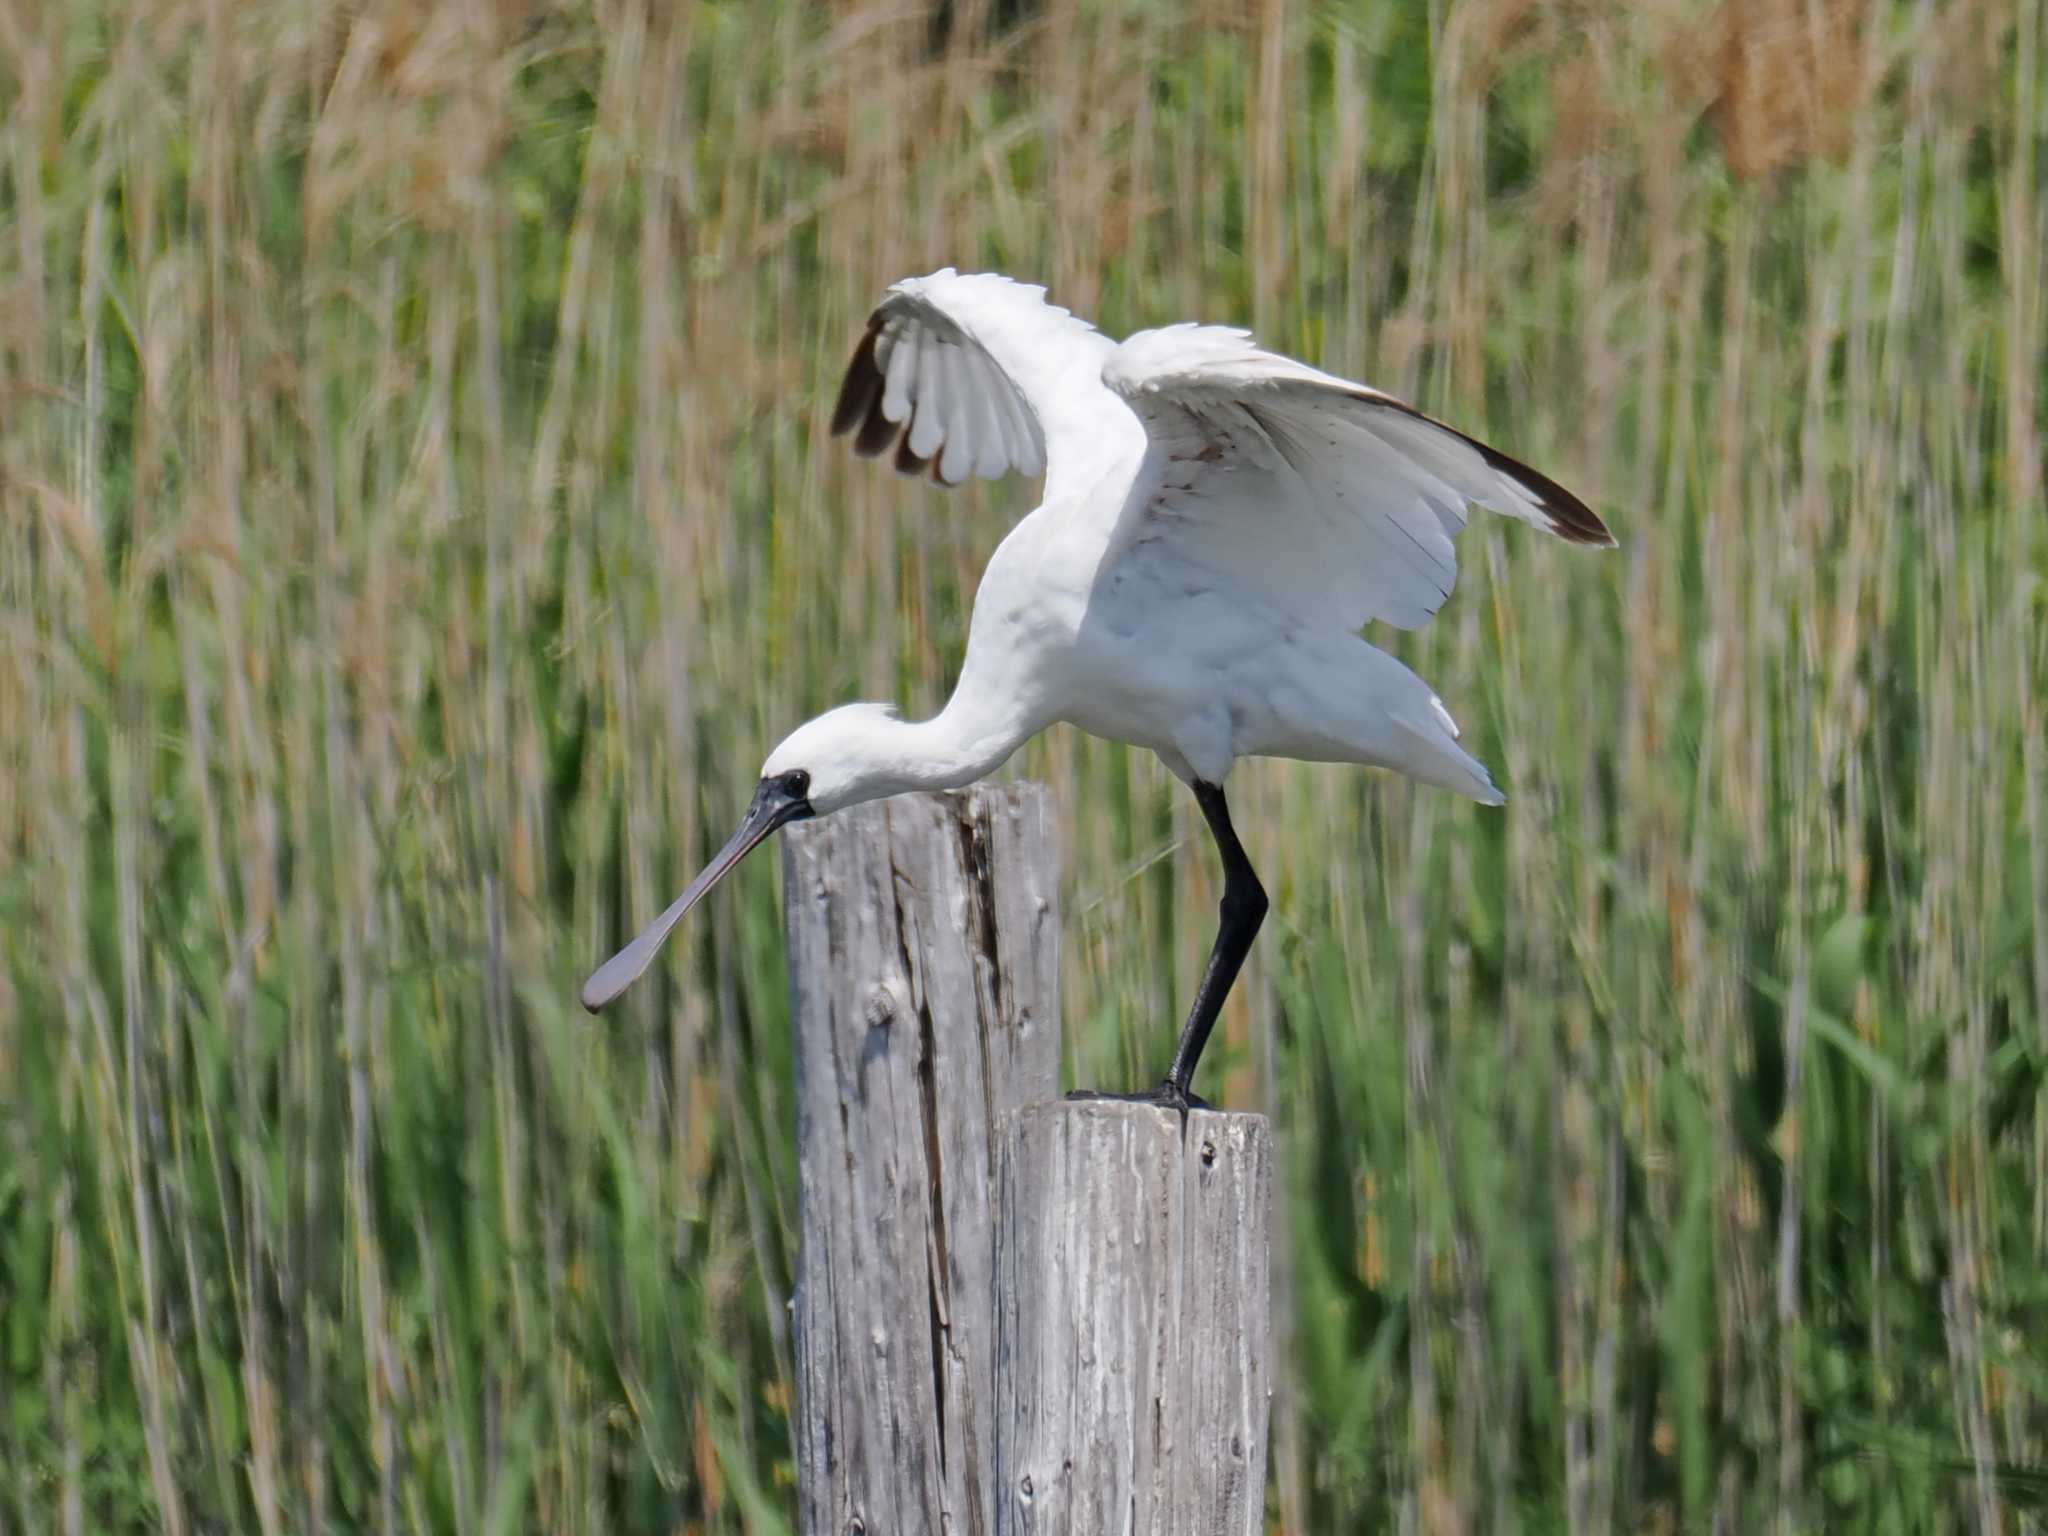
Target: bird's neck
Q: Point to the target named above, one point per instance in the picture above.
(967, 740)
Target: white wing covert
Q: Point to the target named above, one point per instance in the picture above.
(1328, 499)
(970, 375)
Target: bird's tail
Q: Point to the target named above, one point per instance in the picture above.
(1348, 701)
(1439, 760)
(1423, 739)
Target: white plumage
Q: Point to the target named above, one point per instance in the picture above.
(1218, 524)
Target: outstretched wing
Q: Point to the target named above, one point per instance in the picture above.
(971, 375)
(1329, 499)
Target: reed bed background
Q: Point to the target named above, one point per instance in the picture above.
(416, 520)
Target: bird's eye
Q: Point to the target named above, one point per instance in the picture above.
(797, 782)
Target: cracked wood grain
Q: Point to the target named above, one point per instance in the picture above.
(1133, 1322)
(923, 937)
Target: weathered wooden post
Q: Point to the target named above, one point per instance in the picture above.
(1013, 1313)
(924, 935)
(1134, 1322)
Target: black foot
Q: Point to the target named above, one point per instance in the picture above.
(1168, 1095)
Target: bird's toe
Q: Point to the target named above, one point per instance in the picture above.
(1168, 1095)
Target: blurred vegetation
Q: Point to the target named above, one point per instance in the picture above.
(416, 520)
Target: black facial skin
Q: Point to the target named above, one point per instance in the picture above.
(795, 786)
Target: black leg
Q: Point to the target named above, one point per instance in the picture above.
(1243, 909)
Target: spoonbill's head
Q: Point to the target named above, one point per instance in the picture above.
(848, 756)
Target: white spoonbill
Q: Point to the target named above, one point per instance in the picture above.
(1219, 524)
